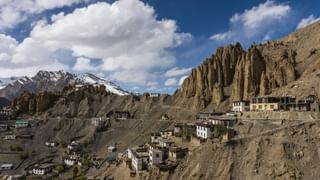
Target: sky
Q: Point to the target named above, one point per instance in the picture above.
(141, 45)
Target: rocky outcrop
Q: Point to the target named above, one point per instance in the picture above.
(217, 71)
(32, 104)
(259, 70)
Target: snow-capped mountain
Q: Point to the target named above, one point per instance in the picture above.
(52, 81)
(88, 78)
(6, 81)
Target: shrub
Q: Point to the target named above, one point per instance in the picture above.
(220, 130)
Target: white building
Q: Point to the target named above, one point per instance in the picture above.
(72, 161)
(241, 106)
(139, 157)
(43, 169)
(10, 137)
(154, 94)
(51, 144)
(6, 167)
(22, 124)
(224, 121)
(204, 130)
(155, 156)
(98, 122)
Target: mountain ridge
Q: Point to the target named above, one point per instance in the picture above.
(53, 81)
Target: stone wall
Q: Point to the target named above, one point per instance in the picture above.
(281, 115)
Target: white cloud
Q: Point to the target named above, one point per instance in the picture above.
(182, 79)
(307, 21)
(129, 40)
(25, 58)
(177, 72)
(222, 36)
(13, 12)
(125, 36)
(83, 64)
(7, 48)
(254, 22)
(171, 82)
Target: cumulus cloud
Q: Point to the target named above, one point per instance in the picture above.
(129, 39)
(307, 21)
(254, 22)
(177, 72)
(12, 12)
(170, 82)
(7, 48)
(83, 64)
(125, 36)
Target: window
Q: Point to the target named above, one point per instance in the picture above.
(157, 155)
(271, 106)
(260, 106)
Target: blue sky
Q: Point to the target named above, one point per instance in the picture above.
(142, 46)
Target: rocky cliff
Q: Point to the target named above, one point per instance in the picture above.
(237, 74)
(33, 104)
(289, 66)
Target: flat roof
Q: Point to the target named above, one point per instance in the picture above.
(22, 121)
(241, 101)
(7, 165)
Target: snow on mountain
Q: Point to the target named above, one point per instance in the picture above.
(6, 81)
(88, 78)
(53, 81)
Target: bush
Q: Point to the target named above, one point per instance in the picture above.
(220, 130)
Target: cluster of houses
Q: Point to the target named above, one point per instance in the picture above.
(6, 114)
(5, 127)
(161, 152)
(208, 124)
(282, 103)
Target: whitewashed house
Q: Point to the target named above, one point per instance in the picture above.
(241, 106)
(155, 155)
(42, 169)
(98, 122)
(6, 167)
(51, 144)
(204, 130)
(72, 161)
(22, 124)
(139, 157)
(154, 95)
(10, 137)
(225, 121)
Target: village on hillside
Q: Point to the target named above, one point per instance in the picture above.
(163, 152)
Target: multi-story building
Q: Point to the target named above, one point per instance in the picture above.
(241, 106)
(22, 124)
(269, 103)
(155, 155)
(204, 130)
